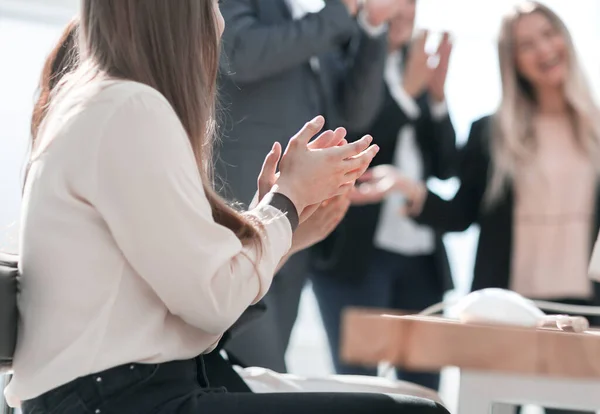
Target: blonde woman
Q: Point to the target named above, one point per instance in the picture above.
(529, 173)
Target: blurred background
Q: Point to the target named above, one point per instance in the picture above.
(29, 28)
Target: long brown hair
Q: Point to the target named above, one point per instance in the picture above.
(173, 47)
(61, 60)
(512, 128)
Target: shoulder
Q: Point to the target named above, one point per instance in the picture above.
(136, 106)
(478, 145)
(481, 131)
(122, 94)
(138, 120)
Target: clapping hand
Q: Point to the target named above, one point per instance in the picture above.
(317, 221)
(268, 175)
(420, 75)
(438, 79)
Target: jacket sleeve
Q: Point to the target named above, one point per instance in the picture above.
(463, 210)
(255, 50)
(361, 91)
(441, 136)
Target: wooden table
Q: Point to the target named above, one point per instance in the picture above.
(501, 366)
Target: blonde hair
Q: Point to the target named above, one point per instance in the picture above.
(512, 129)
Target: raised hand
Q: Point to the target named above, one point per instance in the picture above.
(310, 176)
(268, 175)
(418, 73)
(438, 80)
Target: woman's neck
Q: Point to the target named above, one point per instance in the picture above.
(551, 101)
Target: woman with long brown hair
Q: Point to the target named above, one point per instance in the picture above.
(530, 172)
(132, 265)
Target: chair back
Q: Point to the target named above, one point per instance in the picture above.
(9, 316)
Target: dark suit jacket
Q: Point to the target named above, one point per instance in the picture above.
(346, 252)
(493, 260)
(268, 89)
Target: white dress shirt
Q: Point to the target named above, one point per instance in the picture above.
(121, 258)
(394, 232)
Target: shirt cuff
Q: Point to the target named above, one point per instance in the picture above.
(439, 110)
(369, 29)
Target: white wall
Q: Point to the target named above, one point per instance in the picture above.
(23, 47)
(54, 11)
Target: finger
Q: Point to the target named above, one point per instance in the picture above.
(268, 170)
(446, 38)
(328, 139)
(365, 197)
(342, 143)
(444, 41)
(355, 148)
(421, 40)
(444, 48)
(340, 135)
(368, 175)
(309, 130)
(324, 140)
(333, 203)
(345, 188)
(308, 212)
(357, 165)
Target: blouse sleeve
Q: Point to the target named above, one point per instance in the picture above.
(149, 192)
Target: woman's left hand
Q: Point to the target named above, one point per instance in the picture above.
(321, 223)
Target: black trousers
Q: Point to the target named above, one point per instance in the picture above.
(393, 281)
(179, 387)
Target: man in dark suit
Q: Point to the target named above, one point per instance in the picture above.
(376, 257)
(286, 61)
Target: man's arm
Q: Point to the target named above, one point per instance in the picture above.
(362, 88)
(440, 135)
(255, 50)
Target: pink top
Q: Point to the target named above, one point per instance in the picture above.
(554, 204)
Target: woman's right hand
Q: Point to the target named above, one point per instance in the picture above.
(310, 176)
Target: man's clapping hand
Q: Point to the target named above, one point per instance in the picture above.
(420, 75)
